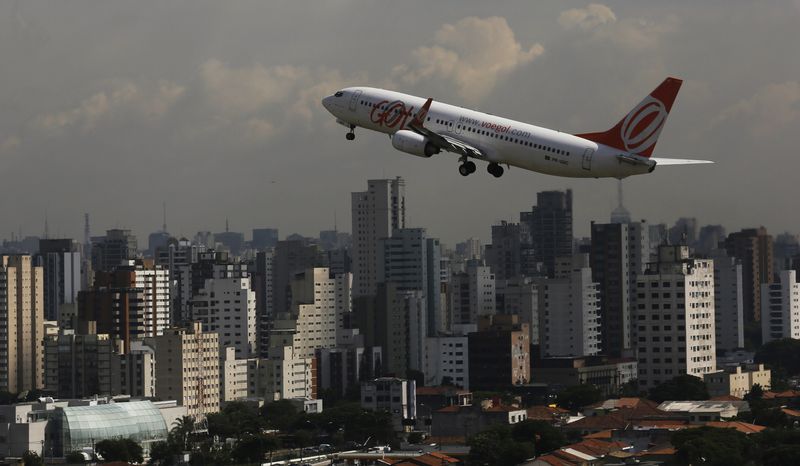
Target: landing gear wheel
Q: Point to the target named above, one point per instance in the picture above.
(350, 136)
(463, 169)
(470, 166)
(495, 170)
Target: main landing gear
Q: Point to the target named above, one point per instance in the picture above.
(352, 134)
(495, 170)
(467, 168)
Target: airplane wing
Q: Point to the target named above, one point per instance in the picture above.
(679, 161)
(442, 141)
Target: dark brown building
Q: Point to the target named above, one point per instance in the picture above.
(499, 353)
(116, 306)
(753, 247)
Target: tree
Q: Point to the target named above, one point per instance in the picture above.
(682, 387)
(578, 396)
(254, 448)
(782, 357)
(122, 449)
(281, 414)
(756, 393)
(631, 389)
(496, 447)
(75, 457)
(163, 453)
(544, 436)
(713, 447)
(182, 430)
(31, 458)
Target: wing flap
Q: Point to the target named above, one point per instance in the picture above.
(444, 142)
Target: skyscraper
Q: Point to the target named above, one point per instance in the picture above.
(619, 254)
(728, 301)
(376, 213)
(116, 248)
(675, 317)
(754, 248)
(61, 259)
(550, 226)
(21, 324)
(781, 307)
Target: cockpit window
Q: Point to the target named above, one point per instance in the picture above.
(339, 94)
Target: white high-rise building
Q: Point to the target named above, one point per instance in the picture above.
(675, 317)
(728, 301)
(780, 308)
(227, 306)
(155, 282)
(447, 358)
(472, 294)
(376, 213)
(569, 323)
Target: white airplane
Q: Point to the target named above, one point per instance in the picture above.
(622, 151)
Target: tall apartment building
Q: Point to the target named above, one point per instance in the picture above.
(261, 283)
(376, 213)
(78, 366)
(264, 238)
(472, 294)
(21, 324)
(188, 368)
(520, 297)
(317, 320)
(506, 253)
(191, 278)
(728, 301)
(753, 247)
(227, 306)
(291, 258)
(62, 262)
(569, 321)
(411, 260)
(550, 226)
(178, 255)
(619, 254)
(447, 359)
(780, 304)
(675, 317)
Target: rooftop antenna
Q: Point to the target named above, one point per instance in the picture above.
(334, 221)
(46, 227)
(226, 225)
(164, 225)
(87, 236)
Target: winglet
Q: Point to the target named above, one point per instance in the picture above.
(419, 118)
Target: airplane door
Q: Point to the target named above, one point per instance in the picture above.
(456, 127)
(587, 159)
(354, 100)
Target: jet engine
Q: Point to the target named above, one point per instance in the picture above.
(413, 143)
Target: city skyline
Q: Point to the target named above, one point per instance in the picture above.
(213, 109)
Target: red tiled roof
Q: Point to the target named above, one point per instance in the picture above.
(768, 395)
(596, 447)
(603, 434)
(440, 390)
(658, 451)
(544, 413)
(791, 412)
(604, 422)
(725, 398)
(738, 425)
(449, 409)
(663, 423)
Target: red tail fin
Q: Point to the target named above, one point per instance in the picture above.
(638, 131)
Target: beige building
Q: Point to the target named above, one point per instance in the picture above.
(737, 382)
(21, 324)
(234, 373)
(187, 368)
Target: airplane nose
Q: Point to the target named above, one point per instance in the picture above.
(327, 102)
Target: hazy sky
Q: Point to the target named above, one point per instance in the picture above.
(111, 107)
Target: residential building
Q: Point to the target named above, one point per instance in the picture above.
(499, 353)
(699, 412)
(187, 368)
(728, 301)
(395, 396)
(79, 366)
(754, 248)
(569, 319)
(607, 374)
(520, 296)
(675, 317)
(376, 214)
(447, 358)
(62, 262)
(116, 248)
(21, 324)
(780, 304)
(227, 306)
(465, 421)
(550, 225)
(619, 254)
(737, 381)
(472, 294)
(233, 383)
(264, 238)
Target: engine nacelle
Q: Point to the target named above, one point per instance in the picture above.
(413, 143)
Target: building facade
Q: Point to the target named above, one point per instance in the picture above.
(780, 304)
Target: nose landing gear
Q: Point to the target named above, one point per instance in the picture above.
(352, 134)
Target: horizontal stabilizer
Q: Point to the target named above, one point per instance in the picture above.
(660, 161)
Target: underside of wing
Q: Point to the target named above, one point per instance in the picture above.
(661, 161)
(449, 143)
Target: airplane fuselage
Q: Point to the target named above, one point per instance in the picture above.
(500, 140)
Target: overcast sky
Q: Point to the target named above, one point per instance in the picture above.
(111, 107)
